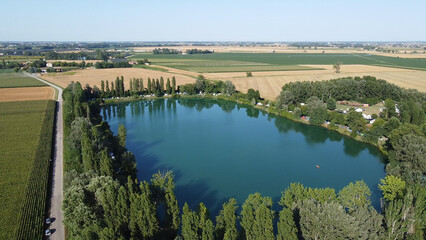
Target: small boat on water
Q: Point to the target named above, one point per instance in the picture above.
(317, 166)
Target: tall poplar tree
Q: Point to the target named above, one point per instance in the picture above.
(189, 224)
(226, 221)
(105, 167)
(149, 86)
(168, 87)
(173, 85)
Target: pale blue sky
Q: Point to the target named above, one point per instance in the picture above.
(220, 20)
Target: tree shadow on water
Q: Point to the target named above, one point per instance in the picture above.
(197, 192)
(148, 163)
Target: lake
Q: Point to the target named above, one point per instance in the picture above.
(220, 149)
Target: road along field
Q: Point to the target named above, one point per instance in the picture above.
(25, 147)
(10, 79)
(95, 76)
(26, 94)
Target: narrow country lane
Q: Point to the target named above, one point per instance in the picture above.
(56, 213)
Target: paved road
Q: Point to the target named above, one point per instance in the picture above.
(56, 212)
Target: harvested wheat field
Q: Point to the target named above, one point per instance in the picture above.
(269, 83)
(95, 76)
(25, 94)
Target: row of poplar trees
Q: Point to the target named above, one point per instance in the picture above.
(136, 87)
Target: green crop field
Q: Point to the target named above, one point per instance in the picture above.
(10, 79)
(25, 148)
(240, 62)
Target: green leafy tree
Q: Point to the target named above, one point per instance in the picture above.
(355, 121)
(164, 186)
(355, 196)
(226, 221)
(316, 110)
(285, 98)
(337, 66)
(390, 125)
(390, 110)
(122, 135)
(287, 229)
(370, 223)
(105, 163)
(173, 85)
(326, 221)
(123, 211)
(392, 187)
(331, 104)
(208, 231)
(102, 87)
(410, 153)
(88, 155)
(189, 224)
(143, 220)
(229, 88)
(149, 86)
(168, 87)
(257, 217)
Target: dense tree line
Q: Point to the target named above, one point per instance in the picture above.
(202, 85)
(52, 55)
(165, 51)
(366, 89)
(197, 51)
(156, 87)
(123, 64)
(10, 64)
(82, 64)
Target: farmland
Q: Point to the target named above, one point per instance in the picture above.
(10, 79)
(209, 62)
(270, 70)
(25, 136)
(26, 94)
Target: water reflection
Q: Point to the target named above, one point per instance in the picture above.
(312, 134)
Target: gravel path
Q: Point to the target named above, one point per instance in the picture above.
(56, 213)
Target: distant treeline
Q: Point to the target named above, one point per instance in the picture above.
(17, 65)
(51, 55)
(165, 51)
(123, 64)
(197, 51)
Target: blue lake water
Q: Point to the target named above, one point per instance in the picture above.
(219, 149)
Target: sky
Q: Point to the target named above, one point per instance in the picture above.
(220, 20)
